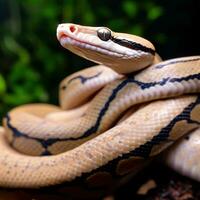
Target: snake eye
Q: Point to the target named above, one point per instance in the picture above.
(104, 34)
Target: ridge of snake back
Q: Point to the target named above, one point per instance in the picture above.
(91, 140)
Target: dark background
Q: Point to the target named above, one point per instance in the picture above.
(32, 63)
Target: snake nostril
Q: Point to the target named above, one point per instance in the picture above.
(63, 87)
(72, 28)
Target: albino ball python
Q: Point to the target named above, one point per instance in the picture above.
(94, 134)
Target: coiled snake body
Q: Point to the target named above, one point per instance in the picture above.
(84, 138)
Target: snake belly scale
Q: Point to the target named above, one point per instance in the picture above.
(44, 145)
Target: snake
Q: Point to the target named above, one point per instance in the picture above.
(113, 116)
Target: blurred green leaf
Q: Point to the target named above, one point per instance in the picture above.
(16, 48)
(161, 37)
(89, 17)
(130, 8)
(2, 85)
(116, 24)
(137, 29)
(154, 13)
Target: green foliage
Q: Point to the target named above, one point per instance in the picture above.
(130, 8)
(154, 13)
(2, 85)
(32, 62)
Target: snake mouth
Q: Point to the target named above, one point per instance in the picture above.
(66, 41)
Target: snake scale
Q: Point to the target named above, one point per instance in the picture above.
(125, 110)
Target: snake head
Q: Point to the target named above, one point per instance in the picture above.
(122, 52)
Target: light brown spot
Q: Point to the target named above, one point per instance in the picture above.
(144, 189)
(99, 179)
(195, 114)
(9, 135)
(179, 129)
(156, 149)
(63, 146)
(28, 146)
(57, 147)
(129, 165)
